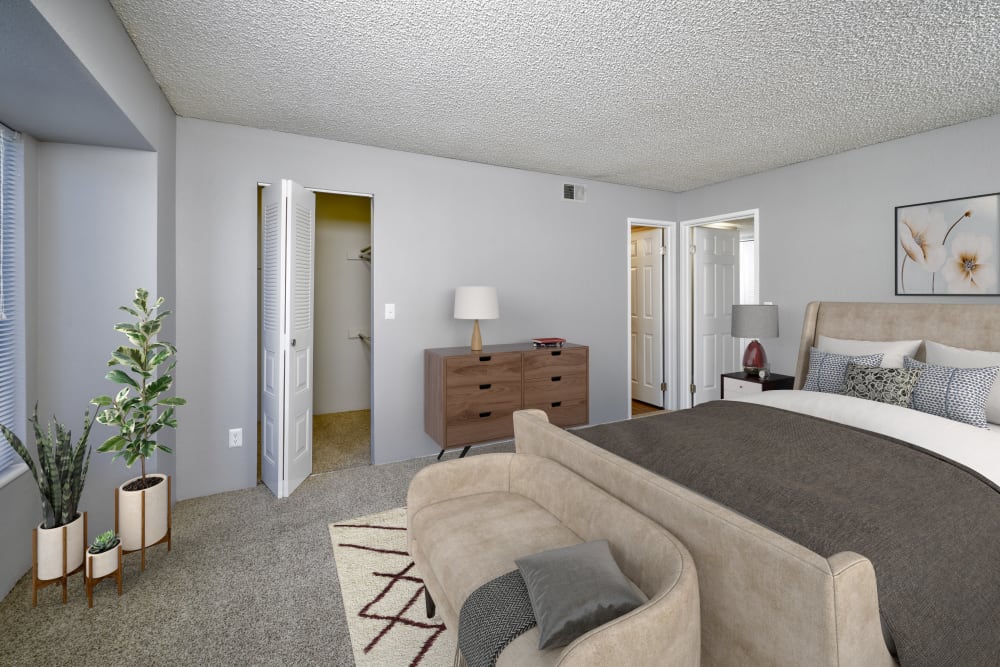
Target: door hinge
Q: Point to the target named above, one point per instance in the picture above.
(663, 386)
(663, 250)
(692, 249)
(692, 389)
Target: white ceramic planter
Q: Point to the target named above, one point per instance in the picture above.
(50, 549)
(130, 514)
(103, 564)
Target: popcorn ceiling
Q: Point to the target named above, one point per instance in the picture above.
(662, 94)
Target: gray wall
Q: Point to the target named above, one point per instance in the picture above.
(560, 268)
(827, 228)
(100, 224)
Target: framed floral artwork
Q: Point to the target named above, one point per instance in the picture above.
(949, 247)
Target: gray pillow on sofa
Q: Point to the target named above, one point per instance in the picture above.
(575, 589)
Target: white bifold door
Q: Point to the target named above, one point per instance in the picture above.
(287, 258)
(716, 287)
(647, 253)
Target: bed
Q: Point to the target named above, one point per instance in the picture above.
(876, 540)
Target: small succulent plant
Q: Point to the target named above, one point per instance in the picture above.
(104, 542)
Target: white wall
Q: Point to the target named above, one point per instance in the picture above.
(342, 365)
(827, 228)
(560, 267)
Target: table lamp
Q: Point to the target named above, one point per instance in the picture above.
(754, 322)
(476, 303)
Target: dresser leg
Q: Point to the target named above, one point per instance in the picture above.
(440, 454)
(465, 451)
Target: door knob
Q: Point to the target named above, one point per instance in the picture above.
(293, 342)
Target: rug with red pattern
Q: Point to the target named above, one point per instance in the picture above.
(384, 596)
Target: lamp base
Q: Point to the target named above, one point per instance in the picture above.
(477, 339)
(754, 358)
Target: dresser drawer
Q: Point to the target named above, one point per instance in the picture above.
(732, 387)
(466, 402)
(547, 362)
(475, 369)
(543, 391)
(566, 413)
(479, 427)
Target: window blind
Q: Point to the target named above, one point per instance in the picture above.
(11, 300)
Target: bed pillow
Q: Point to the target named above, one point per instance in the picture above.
(954, 393)
(958, 357)
(575, 589)
(885, 385)
(892, 351)
(828, 370)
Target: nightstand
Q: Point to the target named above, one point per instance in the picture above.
(744, 383)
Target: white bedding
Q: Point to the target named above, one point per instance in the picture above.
(973, 447)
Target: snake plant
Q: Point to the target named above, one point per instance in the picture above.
(61, 469)
(139, 417)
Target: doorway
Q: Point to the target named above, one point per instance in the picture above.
(340, 428)
(652, 315)
(343, 316)
(718, 270)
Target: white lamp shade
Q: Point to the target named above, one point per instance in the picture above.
(476, 303)
(755, 321)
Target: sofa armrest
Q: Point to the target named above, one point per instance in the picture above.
(445, 480)
(859, 633)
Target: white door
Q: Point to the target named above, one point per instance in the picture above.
(716, 286)
(648, 251)
(287, 336)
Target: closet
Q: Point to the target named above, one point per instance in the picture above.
(333, 430)
(343, 316)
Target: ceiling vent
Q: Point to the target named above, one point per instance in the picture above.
(573, 192)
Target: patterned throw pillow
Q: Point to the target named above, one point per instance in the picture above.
(954, 393)
(828, 370)
(885, 385)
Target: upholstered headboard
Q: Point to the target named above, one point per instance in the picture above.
(973, 326)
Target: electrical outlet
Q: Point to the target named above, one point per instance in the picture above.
(236, 437)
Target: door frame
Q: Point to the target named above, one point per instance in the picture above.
(371, 324)
(686, 284)
(669, 351)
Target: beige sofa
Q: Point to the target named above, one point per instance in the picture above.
(469, 519)
(765, 600)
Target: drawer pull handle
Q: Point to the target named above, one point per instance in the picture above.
(485, 386)
(556, 353)
(486, 357)
(556, 378)
(556, 404)
(485, 414)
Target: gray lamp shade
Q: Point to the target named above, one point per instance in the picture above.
(476, 303)
(755, 321)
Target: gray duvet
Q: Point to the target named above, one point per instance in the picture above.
(930, 527)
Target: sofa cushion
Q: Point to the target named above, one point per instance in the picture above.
(575, 589)
(473, 539)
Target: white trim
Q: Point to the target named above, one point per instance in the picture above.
(670, 374)
(685, 285)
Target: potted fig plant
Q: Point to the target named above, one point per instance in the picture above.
(104, 559)
(60, 539)
(141, 409)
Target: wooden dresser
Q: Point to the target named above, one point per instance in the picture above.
(471, 397)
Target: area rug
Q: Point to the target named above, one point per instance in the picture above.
(384, 596)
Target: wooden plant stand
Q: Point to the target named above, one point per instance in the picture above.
(37, 583)
(92, 580)
(166, 536)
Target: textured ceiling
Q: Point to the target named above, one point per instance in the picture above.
(667, 94)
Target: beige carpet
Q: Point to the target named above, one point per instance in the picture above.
(341, 440)
(384, 596)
